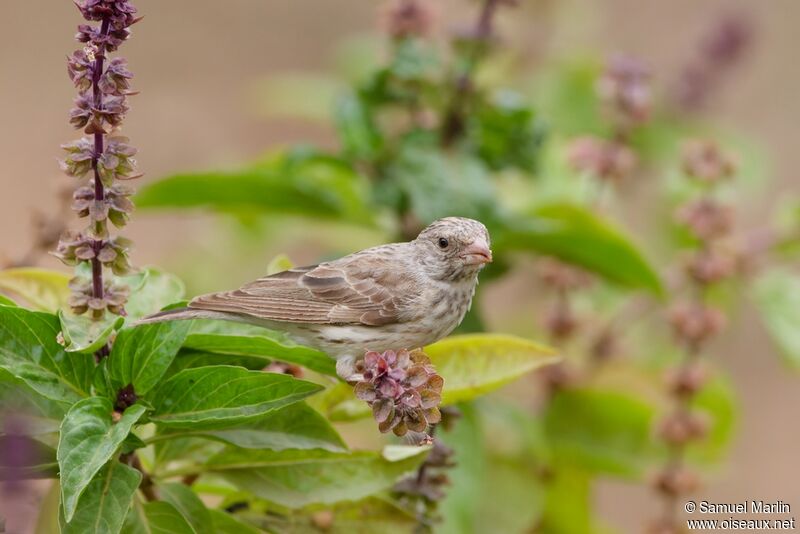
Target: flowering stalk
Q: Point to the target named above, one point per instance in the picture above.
(626, 98)
(719, 50)
(476, 42)
(694, 321)
(101, 104)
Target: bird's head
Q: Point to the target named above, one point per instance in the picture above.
(453, 248)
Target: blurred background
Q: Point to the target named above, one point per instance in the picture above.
(207, 102)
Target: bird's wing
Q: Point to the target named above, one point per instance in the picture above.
(371, 292)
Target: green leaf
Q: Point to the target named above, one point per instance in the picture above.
(717, 400)
(141, 355)
(105, 503)
(188, 358)
(225, 523)
(5, 301)
(600, 431)
(38, 460)
(300, 478)
(296, 426)
(151, 290)
(506, 133)
(83, 334)
(576, 235)
(89, 438)
(18, 398)
(42, 289)
(372, 515)
(246, 340)
(308, 184)
(475, 364)
(339, 403)
(359, 135)
(189, 505)
(777, 295)
(438, 185)
(462, 504)
(567, 503)
(30, 352)
(216, 396)
(156, 517)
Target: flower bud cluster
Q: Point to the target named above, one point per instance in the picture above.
(409, 18)
(625, 91)
(609, 161)
(101, 157)
(402, 388)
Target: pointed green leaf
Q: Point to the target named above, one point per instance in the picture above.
(247, 340)
(17, 397)
(30, 352)
(294, 427)
(141, 355)
(105, 503)
(475, 364)
(339, 403)
(225, 523)
(5, 301)
(151, 290)
(89, 438)
(600, 431)
(156, 517)
(83, 334)
(578, 236)
(303, 183)
(42, 289)
(210, 397)
(189, 505)
(299, 478)
(777, 294)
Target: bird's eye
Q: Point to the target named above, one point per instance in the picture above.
(443, 242)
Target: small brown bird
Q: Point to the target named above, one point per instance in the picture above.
(396, 296)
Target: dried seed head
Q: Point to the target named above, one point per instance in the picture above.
(409, 18)
(605, 160)
(704, 161)
(707, 218)
(675, 481)
(559, 376)
(687, 380)
(604, 346)
(561, 276)
(624, 89)
(682, 427)
(402, 388)
(693, 323)
(711, 265)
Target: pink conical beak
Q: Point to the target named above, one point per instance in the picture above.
(477, 253)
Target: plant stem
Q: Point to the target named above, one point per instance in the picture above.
(453, 124)
(99, 193)
(146, 485)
